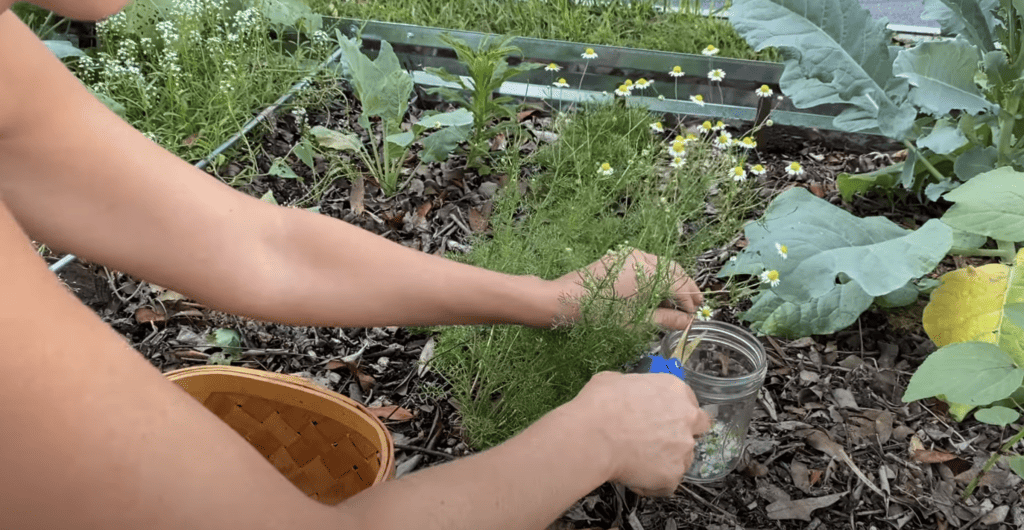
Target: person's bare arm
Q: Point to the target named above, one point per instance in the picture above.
(97, 439)
(80, 179)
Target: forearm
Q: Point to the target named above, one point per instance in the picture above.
(327, 272)
(525, 483)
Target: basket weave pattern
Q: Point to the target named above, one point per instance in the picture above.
(327, 445)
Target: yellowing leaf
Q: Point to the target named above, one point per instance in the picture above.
(970, 306)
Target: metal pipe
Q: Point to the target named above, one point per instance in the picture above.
(64, 261)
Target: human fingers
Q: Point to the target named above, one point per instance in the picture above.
(668, 318)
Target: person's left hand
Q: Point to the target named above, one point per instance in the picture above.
(681, 306)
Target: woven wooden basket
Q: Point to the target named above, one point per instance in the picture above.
(326, 444)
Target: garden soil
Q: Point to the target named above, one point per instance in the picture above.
(831, 444)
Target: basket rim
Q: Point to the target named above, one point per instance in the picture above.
(387, 444)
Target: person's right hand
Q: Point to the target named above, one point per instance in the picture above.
(649, 422)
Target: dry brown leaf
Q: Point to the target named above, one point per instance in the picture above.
(355, 196)
(817, 190)
(801, 475)
(927, 456)
(477, 221)
(821, 441)
(421, 213)
(800, 509)
(334, 364)
(816, 475)
(498, 143)
(883, 426)
(366, 381)
(525, 114)
(190, 140)
(392, 413)
(147, 315)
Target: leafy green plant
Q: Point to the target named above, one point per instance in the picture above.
(488, 69)
(976, 318)
(829, 266)
(384, 89)
(967, 89)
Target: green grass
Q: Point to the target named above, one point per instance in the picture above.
(192, 78)
(637, 24)
(506, 377)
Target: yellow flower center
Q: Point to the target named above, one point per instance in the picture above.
(737, 170)
(679, 138)
(691, 136)
(561, 81)
(784, 249)
(719, 124)
(699, 97)
(758, 167)
(795, 166)
(723, 139)
(590, 51)
(623, 88)
(748, 141)
(552, 66)
(764, 89)
(773, 276)
(678, 147)
(677, 70)
(711, 48)
(706, 125)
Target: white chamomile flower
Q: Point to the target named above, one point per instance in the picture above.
(589, 54)
(677, 162)
(707, 127)
(629, 84)
(758, 170)
(642, 84)
(719, 126)
(704, 312)
(605, 169)
(795, 169)
(723, 141)
(677, 149)
(698, 99)
(676, 71)
(764, 91)
(690, 138)
(622, 91)
(657, 127)
(661, 97)
(739, 174)
(716, 75)
(552, 67)
(732, 259)
(710, 51)
(783, 250)
(747, 143)
(561, 83)
(770, 277)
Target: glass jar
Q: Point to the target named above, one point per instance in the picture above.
(725, 370)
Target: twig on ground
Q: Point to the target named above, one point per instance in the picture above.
(424, 450)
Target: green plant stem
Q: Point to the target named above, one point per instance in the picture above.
(1009, 250)
(991, 462)
(928, 165)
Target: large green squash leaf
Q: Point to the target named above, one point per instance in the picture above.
(942, 76)
(944, 138)
(825, 242)
(978, 304)
(973, 19)
(836, 53)
(971, 373)
(990, 204)
(828, 313)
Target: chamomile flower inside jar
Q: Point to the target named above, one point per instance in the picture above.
(725, 365)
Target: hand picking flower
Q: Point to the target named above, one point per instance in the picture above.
(704, 313)
(605, 169)
(770, 277)
(795, 169)
(589, 54)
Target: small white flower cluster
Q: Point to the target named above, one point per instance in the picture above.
(716, 451)
(169, 63)
(247, 20)
(168, 31)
